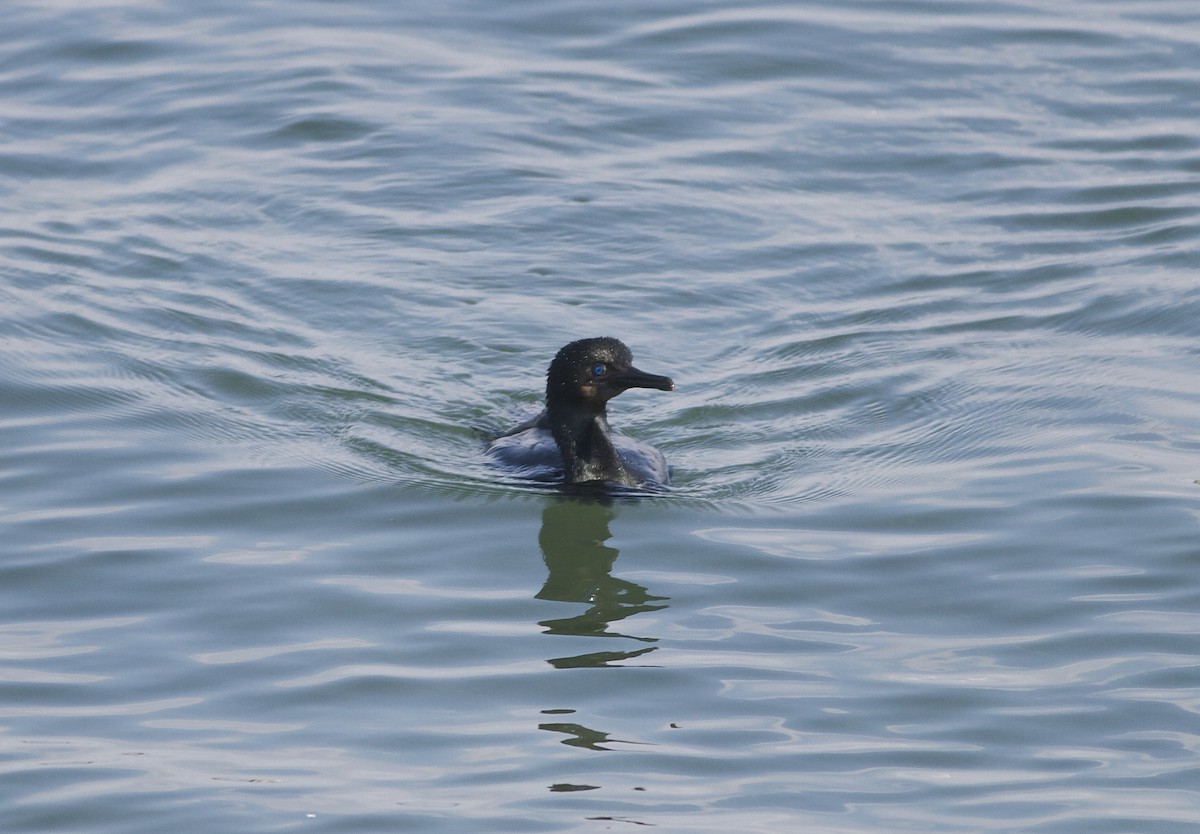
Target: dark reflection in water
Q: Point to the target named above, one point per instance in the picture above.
(580, 736)
(566, 787)
(572, 539)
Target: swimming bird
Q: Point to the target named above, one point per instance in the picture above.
(571, 437)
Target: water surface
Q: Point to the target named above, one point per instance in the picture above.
(924, 275)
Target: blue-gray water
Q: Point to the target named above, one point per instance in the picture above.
(925, 274)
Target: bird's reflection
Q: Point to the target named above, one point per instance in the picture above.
(578, 735)
(573, 542)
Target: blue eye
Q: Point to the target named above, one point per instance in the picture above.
(599, 369)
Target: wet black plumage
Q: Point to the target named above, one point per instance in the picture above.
(572, 434)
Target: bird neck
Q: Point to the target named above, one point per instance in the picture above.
(585, 441)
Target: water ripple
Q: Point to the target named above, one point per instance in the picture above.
(924, 275)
